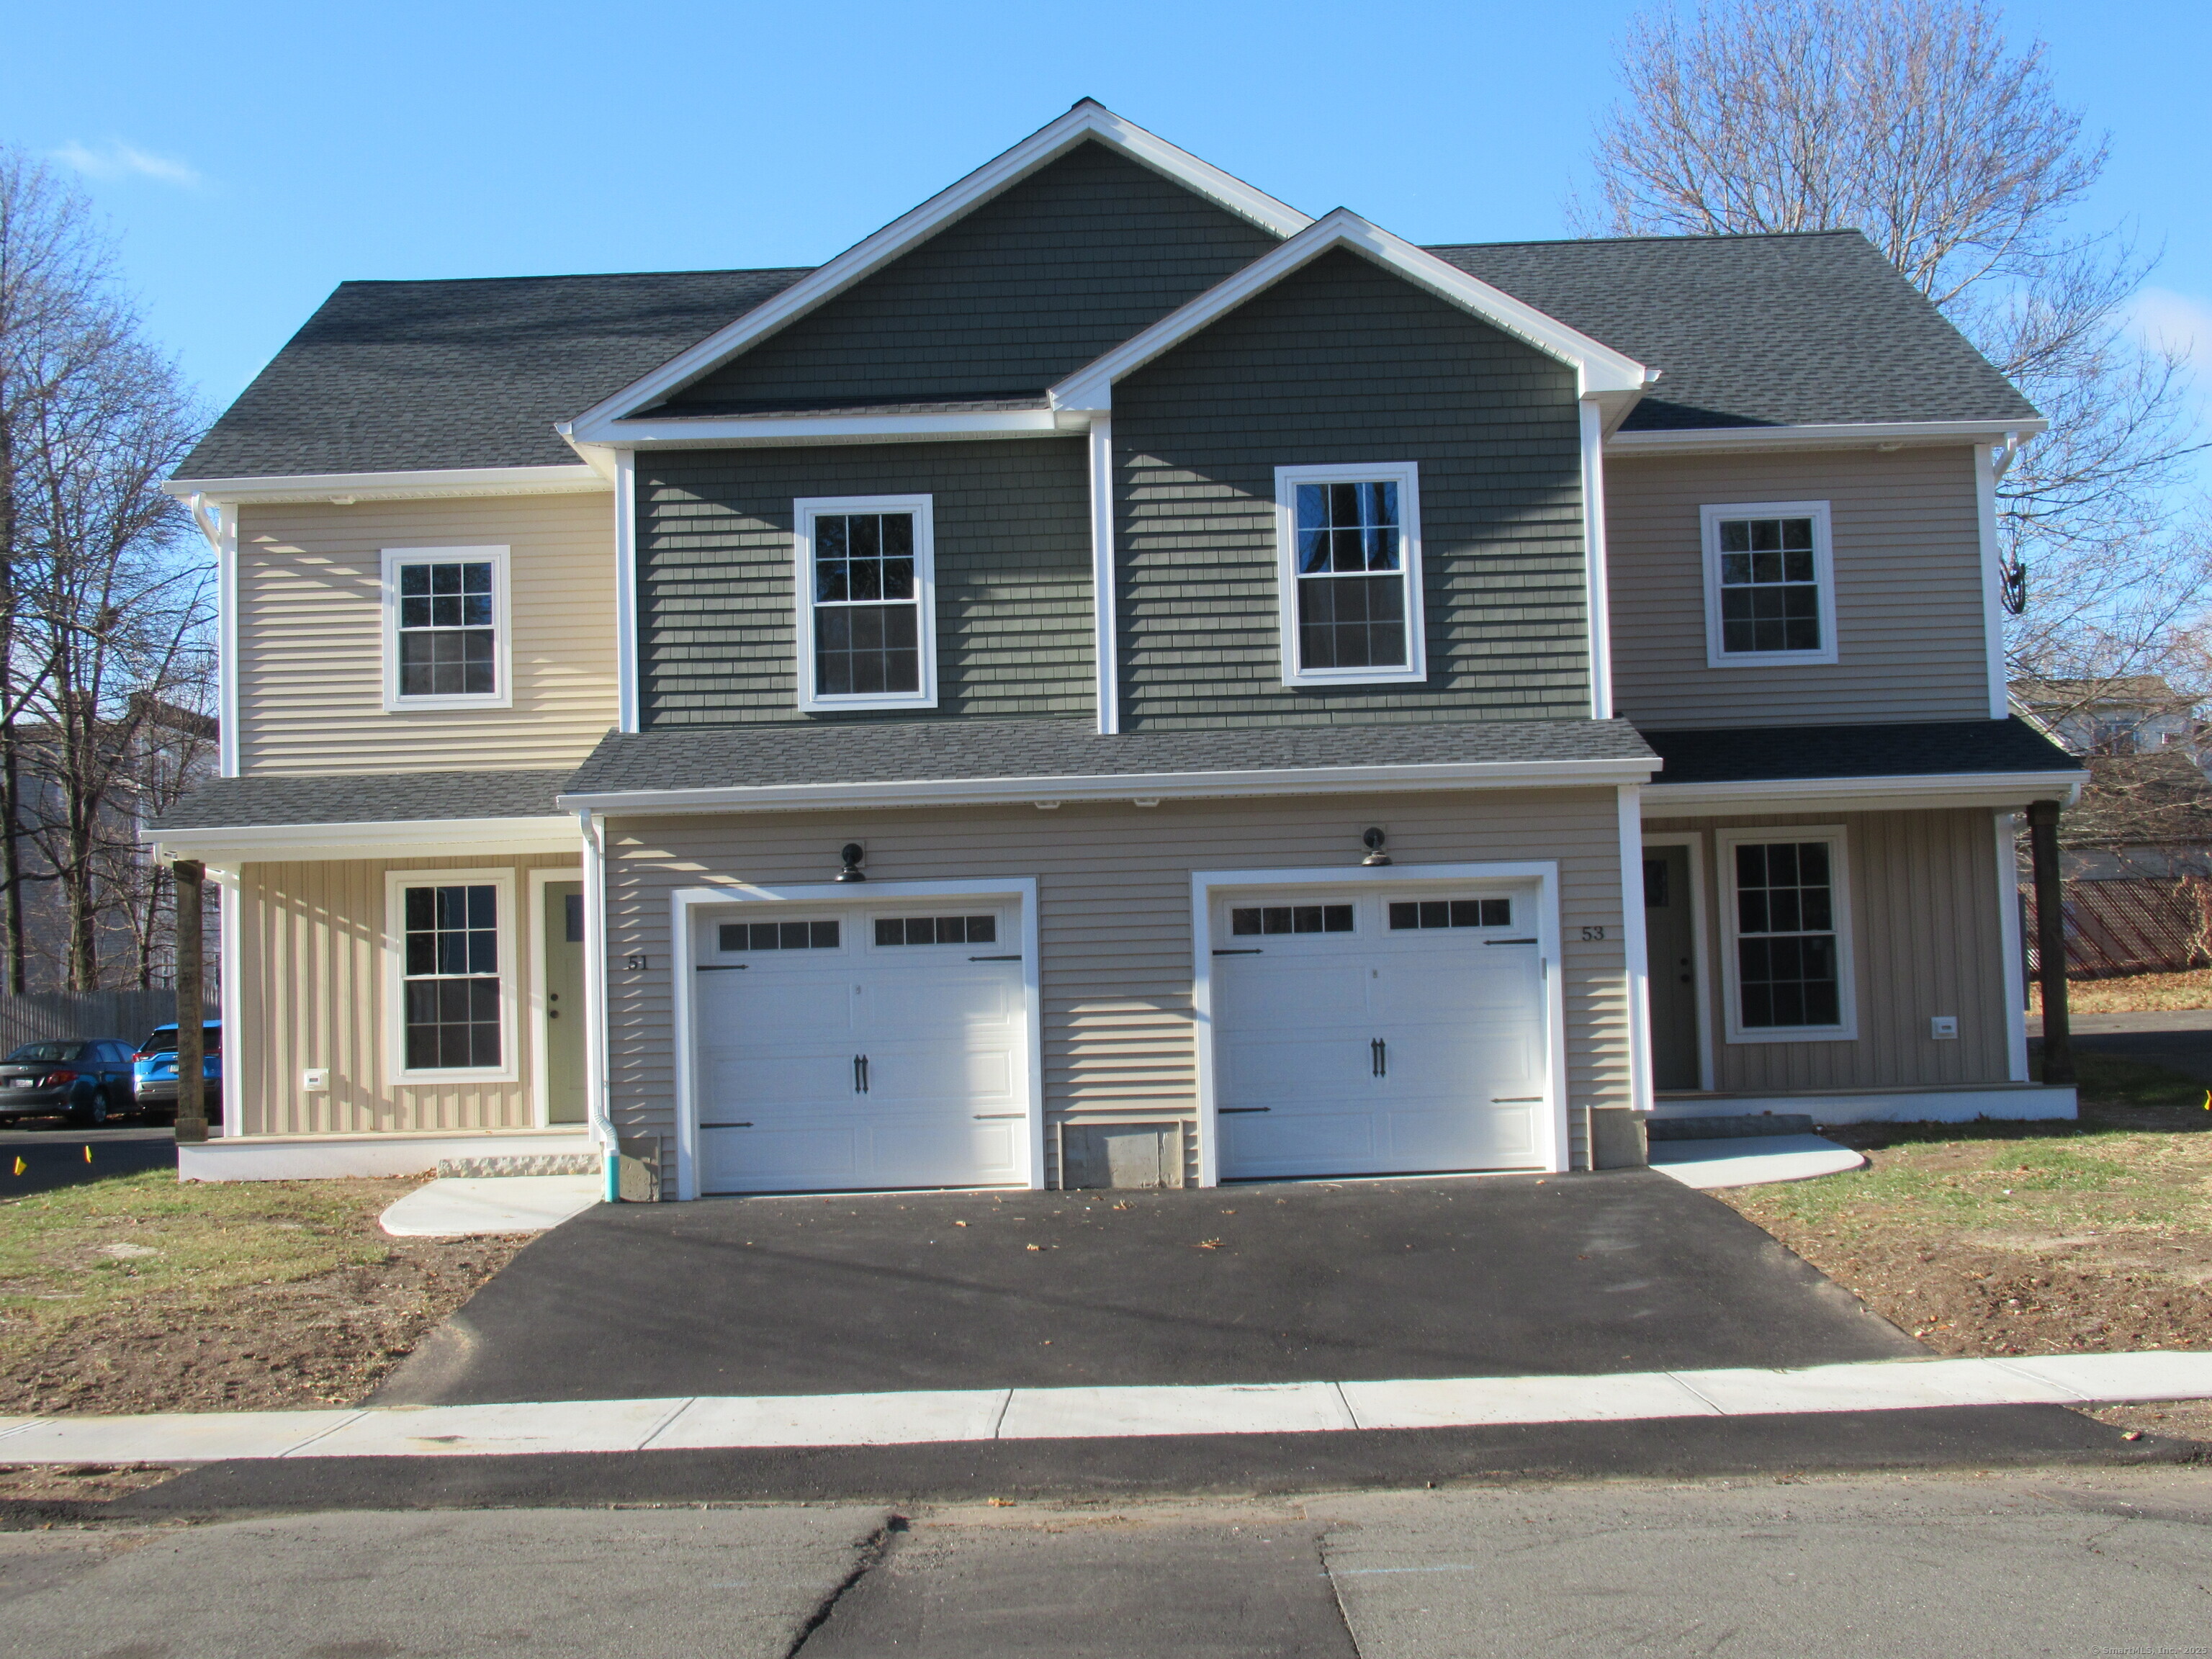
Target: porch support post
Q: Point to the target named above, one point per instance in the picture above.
(2050, 940)
(192, 1097)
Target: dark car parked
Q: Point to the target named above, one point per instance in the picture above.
(85, 1078)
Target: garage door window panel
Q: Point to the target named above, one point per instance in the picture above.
(1790, 954)
(1350, 573)
(866, 610)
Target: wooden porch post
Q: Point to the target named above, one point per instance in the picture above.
(2050, 940)
(191, 1094)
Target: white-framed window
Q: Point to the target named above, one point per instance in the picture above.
(1787, 909)
(1348, 561)
(867, 606)
(450, 988)
(1770, 584)
(445, 629)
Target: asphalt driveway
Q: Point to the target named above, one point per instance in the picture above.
(1506, 1276)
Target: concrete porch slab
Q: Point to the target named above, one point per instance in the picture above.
(457, 1207)
(1751, 1160)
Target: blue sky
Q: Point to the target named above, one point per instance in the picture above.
(252, 155)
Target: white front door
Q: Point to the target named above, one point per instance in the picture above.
(862, 1047)
(1367, 1031)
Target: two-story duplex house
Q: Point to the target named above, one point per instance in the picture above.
(1113, 678)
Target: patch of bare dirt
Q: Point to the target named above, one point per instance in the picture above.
(322, 1341)
(90, 1483)
(2176, 1420)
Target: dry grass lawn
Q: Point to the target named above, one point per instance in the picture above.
(2136, 994)
(140, 1293)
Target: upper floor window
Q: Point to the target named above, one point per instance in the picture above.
(445, 628)
(1349, 559)
(867, 633)
(1770, 590)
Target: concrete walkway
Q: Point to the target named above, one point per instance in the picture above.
(708, 1423)
(453, 1207)
(1751, 1160)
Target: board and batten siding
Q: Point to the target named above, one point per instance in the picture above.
(311, 957)
(1907, 555)
(1113, 917)
(1008, 298)
(1926, 939)
(716, 576)
(1343, 362)
(311, 634)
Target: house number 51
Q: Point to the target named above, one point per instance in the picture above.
(635, 964)
(1592, 932)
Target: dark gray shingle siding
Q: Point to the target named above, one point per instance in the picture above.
(358, 798)
(1014, 576)
(1756, 330)
(765, 756)
(1342, 362)
(1026, 288)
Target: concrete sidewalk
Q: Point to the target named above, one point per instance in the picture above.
(712, 1422)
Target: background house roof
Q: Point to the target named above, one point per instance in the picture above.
(917, 752)
(1750, 330)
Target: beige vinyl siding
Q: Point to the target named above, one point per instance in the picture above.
(1926, 939)
(1908, 575)
(310, 635)
(1113, 903)
(313, 993)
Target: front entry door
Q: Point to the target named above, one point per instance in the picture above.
(562, 927)
(1670, 947)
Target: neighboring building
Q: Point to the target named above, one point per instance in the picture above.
(2128, 714)
(1113, 676)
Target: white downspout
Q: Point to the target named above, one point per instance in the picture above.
(599, 1090)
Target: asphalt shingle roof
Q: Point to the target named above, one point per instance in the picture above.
(1770, 753)
(363, 798)
(1749, 331)
(912, 751)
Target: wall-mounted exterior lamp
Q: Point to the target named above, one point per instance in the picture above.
(852, 852)
(1374, 840)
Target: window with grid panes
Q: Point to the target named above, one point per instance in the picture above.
(1769, 587)
(867, 607)
(1350, 575)
(1787, 954)
(447, 642)
(449, 977)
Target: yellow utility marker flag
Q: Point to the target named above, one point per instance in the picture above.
(2208, 1100)
(20, 1166)
(88, 1151)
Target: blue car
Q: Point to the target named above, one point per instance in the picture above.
(153, 1074)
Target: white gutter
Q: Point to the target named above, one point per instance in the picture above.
(345, 487)
(1845, 435)
(978, 792)
(406, 838)
(1922, 788)
(703, 432)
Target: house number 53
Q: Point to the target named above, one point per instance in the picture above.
(1592, 932)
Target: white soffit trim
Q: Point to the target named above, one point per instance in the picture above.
(409, 838)
(1602, 370)
(1841, 434)
(574, 478)
(701, 433)
(1286, 780)
(1909, 789)
(1089, 119)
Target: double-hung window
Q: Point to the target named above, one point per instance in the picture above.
(1790, 965)
(1349, 571)
(453, 962)
(1770, 584)
(445, 628)
(865, 582)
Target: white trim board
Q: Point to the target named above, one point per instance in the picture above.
(962, 792)
(319, 1158)
(431, 484)
(1601, 371)
(682, 967)
(410, 838)
(2007, 828)
(1205, 884)
(1841, 434)
(1105, 583)
(1596, 572)
(1635, 951)
(1087, 120)
(763, 431)
(2004, 1100)
(1862, 794)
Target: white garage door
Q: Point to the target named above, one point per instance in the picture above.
(1366, 1033)
(861, 1047)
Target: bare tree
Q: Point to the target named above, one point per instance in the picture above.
(1916, 122)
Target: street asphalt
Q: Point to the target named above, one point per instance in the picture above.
(2179, 1039)
(1982, 1566)
(52, 1153)
(1325, 1280)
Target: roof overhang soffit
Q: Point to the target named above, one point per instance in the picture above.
(603, 423)
(1602, 374)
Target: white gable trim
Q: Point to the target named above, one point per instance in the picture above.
(437, 484)
(1088, 119)
(1601, 371)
